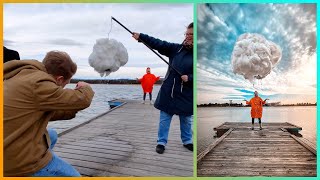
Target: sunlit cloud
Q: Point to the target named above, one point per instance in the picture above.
(291, 26)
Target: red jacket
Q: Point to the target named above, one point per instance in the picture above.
(147, 82)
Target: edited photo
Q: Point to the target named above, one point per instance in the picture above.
(256, 90)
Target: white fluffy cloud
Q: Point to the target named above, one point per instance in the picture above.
(34, 29)
(254, 56)
(107, 56)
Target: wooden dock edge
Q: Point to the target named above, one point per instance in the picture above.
(219, 126)
(90, 120)
(294, 131)
(298, 127)
(304, 144)
(219, 131)
(214, 144)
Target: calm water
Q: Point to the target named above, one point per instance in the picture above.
(107, 92)
(103, 94)
(210, 117)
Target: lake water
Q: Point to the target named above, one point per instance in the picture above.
(99, 105)
(210, 117)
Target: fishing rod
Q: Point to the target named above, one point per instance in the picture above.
(148, 46)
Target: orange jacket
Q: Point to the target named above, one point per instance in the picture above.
(256, 104)
(147, 82)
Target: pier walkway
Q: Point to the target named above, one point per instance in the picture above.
(272, 151)
(122, 142)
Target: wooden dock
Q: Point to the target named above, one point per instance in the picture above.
(272, 151)
(122, 143)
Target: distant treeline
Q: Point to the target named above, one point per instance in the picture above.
(242, 105)
(221, 105)
(110, 81)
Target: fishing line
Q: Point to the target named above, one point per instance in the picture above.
(110, 28)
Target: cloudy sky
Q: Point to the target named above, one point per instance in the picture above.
(34, 29)
(291, 26)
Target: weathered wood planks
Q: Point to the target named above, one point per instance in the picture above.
(122, 143)
(272, 151)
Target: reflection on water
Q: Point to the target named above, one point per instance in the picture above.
(210, 117)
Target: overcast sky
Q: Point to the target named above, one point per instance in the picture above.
(291, 26)
(34, 29)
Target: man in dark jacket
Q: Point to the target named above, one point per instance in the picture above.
(9, 54)
(176, 92)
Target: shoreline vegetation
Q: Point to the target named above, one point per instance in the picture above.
(111, 81)
(277, 104)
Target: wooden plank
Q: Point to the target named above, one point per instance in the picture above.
(298, 127)
(123, 143)
(113, 168)
(272, 151)
(134, 142)
(116, 152)
(237, 165)
(257, 171)
(120, 156)
(265, 154)
(260, 149)
(246, 125)
(261, 160)
(86, 122)
(304, 144)
(87, 171)
(213, 145)
(182, 151)
(157, 165)
(131, 139)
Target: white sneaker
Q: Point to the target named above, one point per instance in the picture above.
(143, 102)
(151, 102)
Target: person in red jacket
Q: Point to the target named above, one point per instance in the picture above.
(147, 82)
(256, 104)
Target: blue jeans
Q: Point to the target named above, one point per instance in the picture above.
(164, 126)
(57, 166)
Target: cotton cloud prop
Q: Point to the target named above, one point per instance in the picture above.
(254, 56)
(108, 56)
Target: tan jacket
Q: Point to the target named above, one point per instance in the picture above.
(31, 100)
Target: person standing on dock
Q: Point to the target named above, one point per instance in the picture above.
(256, 104)
(147, 82)
(176, 92)
(34, 94)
